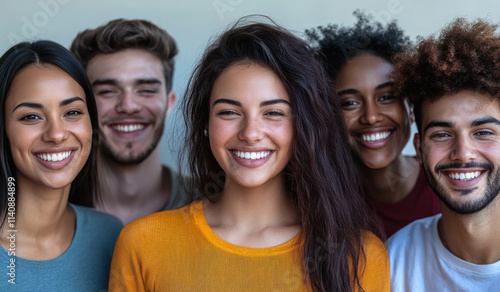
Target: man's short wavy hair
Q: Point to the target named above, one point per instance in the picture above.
(121, 34)
(465, 56)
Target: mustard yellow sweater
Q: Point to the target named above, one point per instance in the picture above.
(177, 251)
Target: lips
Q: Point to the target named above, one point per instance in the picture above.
(463, 178)
(55, 159)
(252, 155)
(128, 129)
(54, 156)
(373, 139)
(252, 158)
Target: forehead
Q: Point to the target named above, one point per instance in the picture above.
(248, 81)
(464, 106)
(38, 83)
(126, 65)
(365, 69)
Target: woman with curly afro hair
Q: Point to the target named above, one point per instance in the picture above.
(358, 61)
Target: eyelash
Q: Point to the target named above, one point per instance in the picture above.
(30, 117)
(227, 113)
(439, 135)
(387, 97)
(275, 113)
(75, 113)
(349, 103)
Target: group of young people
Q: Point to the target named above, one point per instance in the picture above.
(294, 147)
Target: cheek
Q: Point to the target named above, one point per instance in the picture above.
(83, 131)
(156, 106)
(20, 142)
(400, 113)
(350, 119)
(104, 105)
(283, 135)
(432, 154)
(219, 133)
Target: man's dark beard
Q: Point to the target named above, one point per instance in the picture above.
(135, 158)
(490, 193)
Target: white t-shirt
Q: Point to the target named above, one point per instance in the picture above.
(420, 262)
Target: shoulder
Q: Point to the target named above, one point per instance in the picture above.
(96, 218)
(418, 230)
(413, 242)
(373, 247)
(374, 270)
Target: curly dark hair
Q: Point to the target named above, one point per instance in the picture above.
(320, 175)
(335, 45)
(466, 56)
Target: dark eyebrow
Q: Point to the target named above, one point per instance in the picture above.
(264, 103)
(137, 82)
(28, 104)
(148, 81)
(354, 91)
(390, 83)
(347, 91)
(70, 100)
(274, 101)
(488, 120)
(104, 82)
(37, 105)
(438, 124)
(229, 101)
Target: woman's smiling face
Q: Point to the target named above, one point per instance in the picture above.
(378, 122)
(48, 126)
(250, 124)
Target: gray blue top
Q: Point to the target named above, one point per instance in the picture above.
(84, 266)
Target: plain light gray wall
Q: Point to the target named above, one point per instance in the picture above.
(194, 23)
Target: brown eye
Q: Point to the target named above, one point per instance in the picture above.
(30, 117)
(73, 113)
(349, 103)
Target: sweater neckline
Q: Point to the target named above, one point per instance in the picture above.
(206, 230)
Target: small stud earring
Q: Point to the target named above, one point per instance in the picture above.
(205, 132)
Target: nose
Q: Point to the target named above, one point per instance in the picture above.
(251, 130)
(371, 114)
(463, 150)
(127, 103)
(55, 132)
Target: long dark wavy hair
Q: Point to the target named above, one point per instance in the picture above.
(42, 52)
(320, 176)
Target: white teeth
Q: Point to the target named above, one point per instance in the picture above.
(54, 157)
(464, 176)
(375, 137)
(252, 155)
(128, 128)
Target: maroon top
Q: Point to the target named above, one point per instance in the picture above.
(421, 202)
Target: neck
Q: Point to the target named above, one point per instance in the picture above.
(390, 184)
(133, 191)
(254, 217)
(44, 223)
(40, 212)
(255, 208)
(473, 237)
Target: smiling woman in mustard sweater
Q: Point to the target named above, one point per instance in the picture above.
(281, 208)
